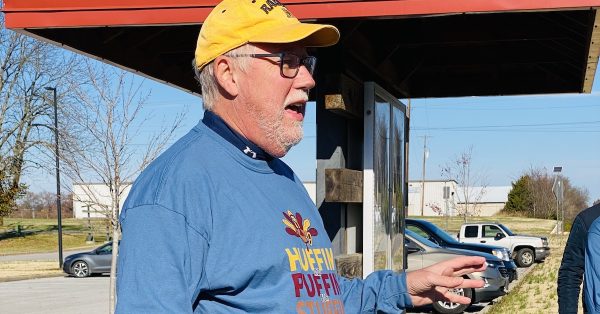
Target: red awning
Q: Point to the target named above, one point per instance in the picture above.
(77, 13)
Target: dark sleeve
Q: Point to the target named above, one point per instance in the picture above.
(571, 269)
(381, 292)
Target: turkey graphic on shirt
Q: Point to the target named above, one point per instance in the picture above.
(299, 227)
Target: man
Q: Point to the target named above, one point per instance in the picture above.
(572, 266)
(218, 224)
(592, 269)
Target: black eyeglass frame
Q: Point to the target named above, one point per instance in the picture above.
(309, 62)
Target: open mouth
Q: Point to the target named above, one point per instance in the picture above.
(296, 110)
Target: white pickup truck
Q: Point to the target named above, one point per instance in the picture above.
(524, 249)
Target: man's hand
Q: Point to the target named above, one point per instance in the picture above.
(431, 284)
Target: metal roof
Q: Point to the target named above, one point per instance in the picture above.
(413, 48)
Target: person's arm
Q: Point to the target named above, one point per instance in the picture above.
(382, 291)
(592, 270)
(389, 292)
(570, 273)
(157, 272)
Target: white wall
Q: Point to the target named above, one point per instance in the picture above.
(311, 188)
(96, 193)
(97, 196)
(492, 199)
(434, 196)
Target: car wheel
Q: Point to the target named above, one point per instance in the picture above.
(80, 269)
(525, 257)
(453, 308)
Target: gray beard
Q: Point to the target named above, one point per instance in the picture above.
(278, 134)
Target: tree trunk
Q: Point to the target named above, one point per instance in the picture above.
(115, 249)
(1, 221)
(113, 265)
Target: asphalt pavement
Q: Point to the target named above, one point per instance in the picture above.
(39, 256)
(65, 295)
(69, 295)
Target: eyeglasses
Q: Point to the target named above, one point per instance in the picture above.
(289, 63)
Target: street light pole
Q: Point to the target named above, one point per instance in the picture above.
(58, 198)
(425, 155)
(557, 189)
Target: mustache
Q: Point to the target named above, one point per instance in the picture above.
(299, 96)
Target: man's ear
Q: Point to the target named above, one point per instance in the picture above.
(225, 75)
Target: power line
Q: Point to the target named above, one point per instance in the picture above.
(506, 126)
(520, 131)
(471, 107)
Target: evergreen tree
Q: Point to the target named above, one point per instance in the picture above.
(519, 198)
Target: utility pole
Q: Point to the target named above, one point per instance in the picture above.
(425, 155)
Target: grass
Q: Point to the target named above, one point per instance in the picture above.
(45, 242)
(40, 225)
(41, 235)
(19, 270)
(520, 225)
(536, 293)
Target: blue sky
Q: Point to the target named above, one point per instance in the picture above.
(509, 135)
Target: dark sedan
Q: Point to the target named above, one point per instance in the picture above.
(85, 264)
(438, 236)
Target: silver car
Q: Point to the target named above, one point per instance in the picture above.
(85, 264)
(423, 253)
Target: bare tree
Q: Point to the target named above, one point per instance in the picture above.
(472, 184)
(540, 187)
(104, 122)
(543, 200)
(26, 67)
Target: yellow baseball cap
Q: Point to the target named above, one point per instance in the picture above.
(233, 23)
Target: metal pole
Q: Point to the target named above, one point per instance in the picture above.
(58, 198)
(90, 237)
(557, 218)
(423, 177)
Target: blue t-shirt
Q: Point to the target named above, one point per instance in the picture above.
(207, 229)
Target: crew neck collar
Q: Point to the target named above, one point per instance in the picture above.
(219, 126)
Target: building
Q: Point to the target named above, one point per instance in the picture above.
(433, 199)
(95, 198)
(488, 200)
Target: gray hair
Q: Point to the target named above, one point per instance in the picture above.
(208, 81)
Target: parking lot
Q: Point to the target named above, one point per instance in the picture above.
(65, 295)
(68, 295)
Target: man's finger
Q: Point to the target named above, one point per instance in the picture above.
(471, 283)
(465, 271)
(474, 263)
(454, 282)
(455, 298)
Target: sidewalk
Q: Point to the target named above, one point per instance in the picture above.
(40, 256)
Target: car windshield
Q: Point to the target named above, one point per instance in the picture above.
(505, 228)
(439, 232)
(420, 239)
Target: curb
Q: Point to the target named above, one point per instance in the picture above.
(27, 277)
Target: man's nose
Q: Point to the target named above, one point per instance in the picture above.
(304, 80)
